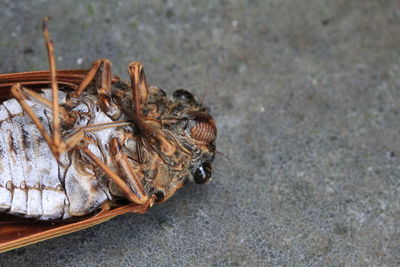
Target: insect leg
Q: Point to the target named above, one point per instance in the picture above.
(54, 86)
(101, 67)
(118, 180)
(101, 73)
(126, 169)
(150, 128)
(18, 94)
(57, 144)
(139, 86)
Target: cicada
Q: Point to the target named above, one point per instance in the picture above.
(91, 147)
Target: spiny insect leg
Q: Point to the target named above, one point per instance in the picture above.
(150, 128)
(101, 73)
(118, 180)
(139, 86)
(101, 67)
(57, 144)
(126, 169)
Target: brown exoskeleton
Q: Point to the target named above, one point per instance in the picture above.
(111, 148)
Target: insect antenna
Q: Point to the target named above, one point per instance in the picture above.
(224, 156)
(203, 97)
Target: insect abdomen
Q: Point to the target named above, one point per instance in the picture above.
(29, 174)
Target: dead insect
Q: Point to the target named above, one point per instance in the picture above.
(74, 157)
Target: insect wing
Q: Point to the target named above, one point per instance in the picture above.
(16, 232)
(40, 79)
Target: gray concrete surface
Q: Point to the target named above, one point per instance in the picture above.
(306, 95)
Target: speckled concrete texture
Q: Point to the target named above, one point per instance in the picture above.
(306, 95)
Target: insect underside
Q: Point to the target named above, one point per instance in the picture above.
(91, 142)
(32, 183)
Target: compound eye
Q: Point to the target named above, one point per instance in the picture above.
(202, 174)
(183, 96)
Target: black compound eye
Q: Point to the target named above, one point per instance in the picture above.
(202, 174)
(183, 96)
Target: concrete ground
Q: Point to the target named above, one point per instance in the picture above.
(306, 95)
